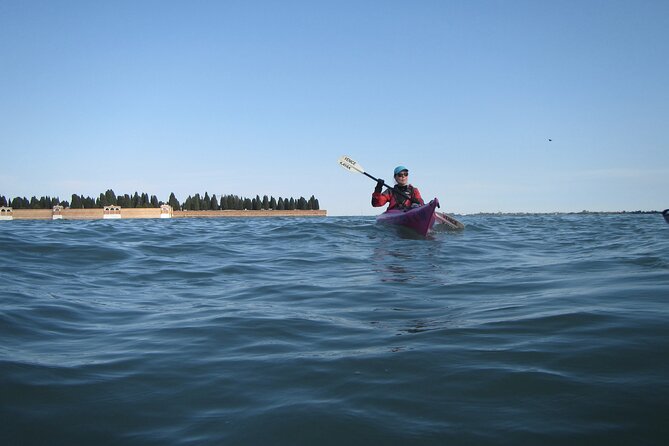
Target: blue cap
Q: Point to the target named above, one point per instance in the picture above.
(398, 169)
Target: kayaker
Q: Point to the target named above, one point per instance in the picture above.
(402, 196)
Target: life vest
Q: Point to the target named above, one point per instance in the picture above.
(401, 200)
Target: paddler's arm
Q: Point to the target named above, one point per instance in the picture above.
(378, 198)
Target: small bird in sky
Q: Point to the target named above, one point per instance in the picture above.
(550, 139)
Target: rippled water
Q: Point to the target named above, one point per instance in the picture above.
(331, 331)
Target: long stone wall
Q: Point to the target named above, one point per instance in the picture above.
(32, 214)
(127, 213)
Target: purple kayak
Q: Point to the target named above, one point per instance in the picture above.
(419, 219)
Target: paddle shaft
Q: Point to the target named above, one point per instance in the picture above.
(394, 188)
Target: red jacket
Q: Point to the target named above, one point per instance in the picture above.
(379, 199)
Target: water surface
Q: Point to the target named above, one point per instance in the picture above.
(331, 331)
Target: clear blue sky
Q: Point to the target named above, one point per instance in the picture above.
(262, 97)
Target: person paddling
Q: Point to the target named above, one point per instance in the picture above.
(402, 196)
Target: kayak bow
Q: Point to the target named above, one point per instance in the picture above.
(419, 219)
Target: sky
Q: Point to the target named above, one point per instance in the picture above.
(493, 105)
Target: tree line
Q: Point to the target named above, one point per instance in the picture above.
(235, 202)
(143, 200)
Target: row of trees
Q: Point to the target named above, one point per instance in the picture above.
(234, 202)
(81, 202)
(33, 203)
(192, 203)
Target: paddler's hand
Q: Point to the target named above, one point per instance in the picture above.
(379, 186)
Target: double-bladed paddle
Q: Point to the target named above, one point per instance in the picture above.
(352, 166)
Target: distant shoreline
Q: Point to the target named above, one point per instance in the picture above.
(152, 213)
(155, 213)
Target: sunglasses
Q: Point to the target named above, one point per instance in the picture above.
(402, 174)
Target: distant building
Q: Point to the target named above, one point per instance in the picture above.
(57, 213)
(111, 212)
(6, 213)
(165, 211)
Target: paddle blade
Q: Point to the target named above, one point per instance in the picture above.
(350, 164)
(445, 221)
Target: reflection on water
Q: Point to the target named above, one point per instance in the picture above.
(402, 261)
(393, 265)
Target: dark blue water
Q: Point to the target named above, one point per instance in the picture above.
(333, 331)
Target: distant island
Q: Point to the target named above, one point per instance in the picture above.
(192, 203)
